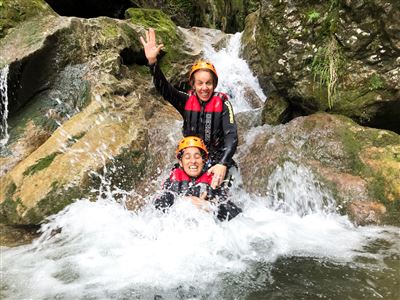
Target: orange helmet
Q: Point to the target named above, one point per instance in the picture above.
(202, 64)
(191, 141)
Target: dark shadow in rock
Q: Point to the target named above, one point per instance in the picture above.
(91, 8)
(131, 57)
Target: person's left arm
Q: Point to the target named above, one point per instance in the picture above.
(227, 210)
(229, 128)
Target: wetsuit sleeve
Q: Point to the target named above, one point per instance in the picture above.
(227, 210)
(165, 201)
(167, 198)
(168, 91)
(230, 134)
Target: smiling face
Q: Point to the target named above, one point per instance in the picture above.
(192, 161)
(203, 84)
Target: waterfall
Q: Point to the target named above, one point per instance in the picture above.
(100, 250)
(4, 136)
(234, 74)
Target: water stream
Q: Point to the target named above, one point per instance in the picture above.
(234, 74)
(4, 136)
(290, 244)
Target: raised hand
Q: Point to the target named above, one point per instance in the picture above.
(151, 50)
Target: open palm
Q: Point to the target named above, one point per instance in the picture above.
(151, 49)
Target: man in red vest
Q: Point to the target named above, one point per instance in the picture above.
(190, 181)
(206, 113)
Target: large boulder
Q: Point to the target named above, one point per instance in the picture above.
(359, 166)
(90, 110)
(340, 56)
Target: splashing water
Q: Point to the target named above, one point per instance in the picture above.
(234, 74)
(103, 251)
(288, 197)
(280, 247)
(4, 136)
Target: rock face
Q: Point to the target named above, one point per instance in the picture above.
(360, 166)
(84, 116)
(92, 81)
(338, 56)
(13, 12)
(228, 16)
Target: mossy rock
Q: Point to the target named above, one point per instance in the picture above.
(330, 56)
(166, 31)
(275, 110)
(13, 12)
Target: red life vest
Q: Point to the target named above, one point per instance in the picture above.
(204, 119)
(179, 175)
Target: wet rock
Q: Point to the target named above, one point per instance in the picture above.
(95, 116)
(246, 121)
(366, 212)
(341, 58)
(354, 163)
(12, 236)
(276, 110)
(252, 98)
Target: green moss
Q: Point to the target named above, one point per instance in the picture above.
(11, 190)
(313, 16)
(41, 164)
(110, 31)
(166, 32)
(13, 12)
(56, 200)
(376, 82)
(377, 188)
(8, 208)
(379, 183)
(72, 140)
(352, 148)
(8, 211)
(127, 169)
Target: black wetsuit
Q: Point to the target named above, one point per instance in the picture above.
(213, 121)
(179, 183)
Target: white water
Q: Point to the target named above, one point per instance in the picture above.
(234, 74)
(4, 136)
(107, 252)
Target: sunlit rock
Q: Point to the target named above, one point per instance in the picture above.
(355, 163)
(83, 107)
(366, 212)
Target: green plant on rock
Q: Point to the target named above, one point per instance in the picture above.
(326, 67)
(313, 16)
(376, 82)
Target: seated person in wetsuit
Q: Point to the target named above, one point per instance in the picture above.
(190, 180)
